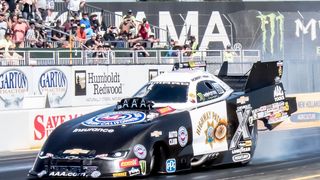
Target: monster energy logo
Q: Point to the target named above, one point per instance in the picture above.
(271, 22)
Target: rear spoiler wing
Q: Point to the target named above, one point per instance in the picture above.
(261, 74)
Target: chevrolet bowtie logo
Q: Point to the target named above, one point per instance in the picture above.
(242, 100)
(76, 151)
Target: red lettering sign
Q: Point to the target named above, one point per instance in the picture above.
(44, 125)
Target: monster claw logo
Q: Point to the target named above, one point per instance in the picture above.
(272, 25)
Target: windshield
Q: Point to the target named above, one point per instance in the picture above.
(164, 92)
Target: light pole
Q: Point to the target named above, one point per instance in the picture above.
(302, 38)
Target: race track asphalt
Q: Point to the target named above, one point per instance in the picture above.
(290, 154)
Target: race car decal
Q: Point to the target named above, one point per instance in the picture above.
(242, 130)
(209, 127)
(143, 167)
(171, 165)
(140, 151)
(115, 119)
(182, 136)
(278, 93)
(241, 157)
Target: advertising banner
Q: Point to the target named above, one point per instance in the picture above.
(109, 84)
(54, 83)
(307, 115)
(15, 84)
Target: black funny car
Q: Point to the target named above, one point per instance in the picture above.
(179, 120)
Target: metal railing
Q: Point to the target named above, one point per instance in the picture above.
(82, 57)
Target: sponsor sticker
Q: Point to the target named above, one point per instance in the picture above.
(66, 174)
(129, 163)
(278, 93)
(173, 134)
(171, 165)
(115, 119)
(120, 174)
(182, 136)
(101, 130)
(140, 151)
(247, 143)
(242, 130)
(156, 134)
(173, 141)
(95, 174)
(242, 100)
(134, 172)
(241, 150)
(241, 157)
(214, 128)
(76, 151)
(143, 167)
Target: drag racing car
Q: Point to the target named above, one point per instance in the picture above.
(179, 120)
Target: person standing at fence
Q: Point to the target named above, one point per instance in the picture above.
(193, 44)
(74, 7)
(9, 56)
(228, 54)
(91, 45)
(3, 26)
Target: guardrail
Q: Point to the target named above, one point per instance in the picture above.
(81, 57)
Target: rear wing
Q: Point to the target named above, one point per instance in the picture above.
(261, 74)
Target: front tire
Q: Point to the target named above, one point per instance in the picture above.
(158, 160)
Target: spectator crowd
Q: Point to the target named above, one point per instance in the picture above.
(28, 23)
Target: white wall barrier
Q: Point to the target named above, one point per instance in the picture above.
(66, 86)
(27, 129)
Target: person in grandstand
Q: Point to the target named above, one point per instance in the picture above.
(74, 7)
(85, 20)
(109, 53)
(7, 43)
(57, 35)
(68, 24)
(111, 34)
(94, 22)
(143, 29)
(140, 50)
(41, 9)
(19, 31)
(91, 45)
(3, 25)
(81, 33)
(26, 8)
(50, 9)
(129, 15)
(31, 34)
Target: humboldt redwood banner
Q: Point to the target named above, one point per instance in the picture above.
(281, 30)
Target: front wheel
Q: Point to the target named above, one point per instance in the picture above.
(158, 160)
